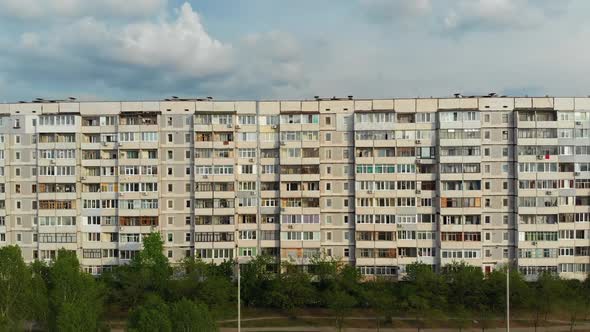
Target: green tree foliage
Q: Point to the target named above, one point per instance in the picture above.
(383, 299)
(153, 315)
(425, 293)
(75, 298)
(259, 280)
(209, 283)
(15, 289)
(340, 303)
(149, 272)
(293, 290)
(188, 316)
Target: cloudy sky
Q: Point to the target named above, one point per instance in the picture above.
(266, 49)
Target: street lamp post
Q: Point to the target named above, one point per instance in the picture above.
(239, 299)
(508, 294)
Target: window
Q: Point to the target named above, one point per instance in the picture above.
(328, 137)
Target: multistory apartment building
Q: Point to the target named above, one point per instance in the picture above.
(377, 183)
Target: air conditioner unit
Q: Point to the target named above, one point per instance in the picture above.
(418, 191)
(82, 178)
(283, 143)
(251, 160)
(579, 123)
(540, 157)
(282, 209)
(119, 144)
(274, 126)
(104, 143)
(144, 194)
(418, 161)
(290, 226)
(238, 127)
(252, 193)
(229, 125)
(577, 173)
(534, 243)
(369, 191)
(418, 141)
(548, 192)
(52, 161)
(205, 176)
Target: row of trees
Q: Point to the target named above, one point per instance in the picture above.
(152, 295)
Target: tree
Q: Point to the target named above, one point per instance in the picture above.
(573, 301)
(148, 272)
(340, 303)
(546, 290)
(382, 299)
(39, 304)
(75, 298)
(209, 283)
(465, 284)
(15, 289)
(153, 315)
(188, 316)
(293, 289)
(425, 292)
(258, 281)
